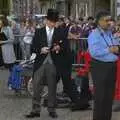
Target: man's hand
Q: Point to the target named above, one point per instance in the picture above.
(45, 50)
(1, 42)
(56, 48)
(114, 49)
(33, 56)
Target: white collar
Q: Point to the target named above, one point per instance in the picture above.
(47, 28)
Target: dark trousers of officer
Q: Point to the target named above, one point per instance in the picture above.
(104, 76)
(45, 74)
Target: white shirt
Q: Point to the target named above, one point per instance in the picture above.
(49, 35)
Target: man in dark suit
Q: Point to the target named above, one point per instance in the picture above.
(48, 46)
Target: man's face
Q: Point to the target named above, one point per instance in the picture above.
(90, 21)
(51, 24)
(104, 22)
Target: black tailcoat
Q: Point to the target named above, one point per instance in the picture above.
(62, 60)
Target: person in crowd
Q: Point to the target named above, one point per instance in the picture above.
(22, 26)
(81, 22)
(65, 93)
(88, 26)
(28, 36)
(17, 39)
(61, 23)
(74, 35)
(67, 78)
(6, 45)
(15, 27)
(113, 25)
(75, 31)
(64, 72)
(117, 30)
(67, 25)
(116, 105)
(1, 58)
(104, 50)
(19, 46)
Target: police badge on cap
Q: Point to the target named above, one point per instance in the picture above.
(52, 15)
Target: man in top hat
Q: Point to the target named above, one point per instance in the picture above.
(48, 46)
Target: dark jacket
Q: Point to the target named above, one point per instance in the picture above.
(61, 60)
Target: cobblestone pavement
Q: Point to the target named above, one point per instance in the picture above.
(14, 107)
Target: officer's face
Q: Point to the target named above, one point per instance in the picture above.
(51, 24)
(104, 22)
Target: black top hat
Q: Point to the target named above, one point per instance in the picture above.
(52, 15)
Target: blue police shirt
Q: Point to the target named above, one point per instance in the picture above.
(99, 42)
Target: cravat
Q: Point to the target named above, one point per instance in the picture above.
(49, 40)
(49, 37)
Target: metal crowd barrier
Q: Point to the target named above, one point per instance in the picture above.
(18, 47)
(77, 45)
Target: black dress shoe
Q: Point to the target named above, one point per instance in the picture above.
(53, 114)
(76, 107)
(32, 115)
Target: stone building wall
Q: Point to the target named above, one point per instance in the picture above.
(45, 4)
(4, 7)
(102, 5)
(25, 8)
(75, 8)
(109, 5)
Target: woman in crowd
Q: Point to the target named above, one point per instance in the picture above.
(27, 40)
(6, 44)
